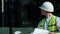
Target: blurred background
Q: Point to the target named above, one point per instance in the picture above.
(0, 13)
(22, 13)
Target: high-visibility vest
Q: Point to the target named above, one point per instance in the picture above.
(51, 26)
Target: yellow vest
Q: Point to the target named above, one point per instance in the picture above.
(51, 26)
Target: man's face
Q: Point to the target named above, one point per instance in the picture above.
(44, 12)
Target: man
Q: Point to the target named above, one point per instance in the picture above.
(51, 22)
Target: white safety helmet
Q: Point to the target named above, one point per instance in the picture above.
(47, 6)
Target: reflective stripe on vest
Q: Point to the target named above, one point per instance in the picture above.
(51, 26)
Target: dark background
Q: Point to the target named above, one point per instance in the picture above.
(0, 14)
(24, 13)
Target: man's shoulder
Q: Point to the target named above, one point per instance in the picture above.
(58, 19)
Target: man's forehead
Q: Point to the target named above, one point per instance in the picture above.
(44, 11)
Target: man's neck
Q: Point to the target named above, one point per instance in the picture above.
(48, 15)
